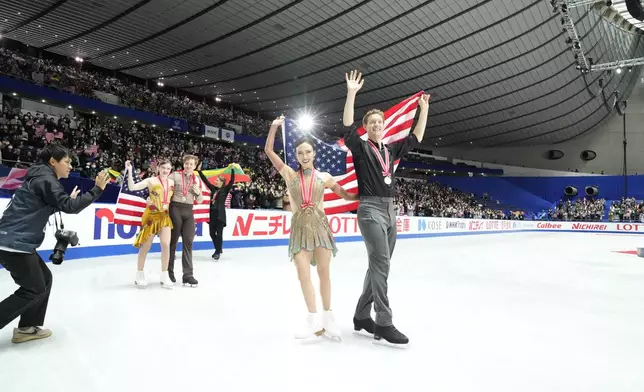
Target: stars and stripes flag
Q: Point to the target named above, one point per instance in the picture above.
(13, 180)
(336, 158)
(130, 206)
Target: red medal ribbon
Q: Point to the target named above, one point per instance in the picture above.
(384, 164)
(165, 191)
(184, 189)
(307, 195)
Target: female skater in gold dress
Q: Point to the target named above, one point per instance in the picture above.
(311, 240)
(155, 221)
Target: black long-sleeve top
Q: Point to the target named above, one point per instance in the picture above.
(218, 198)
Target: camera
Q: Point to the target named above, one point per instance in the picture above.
(64, 238)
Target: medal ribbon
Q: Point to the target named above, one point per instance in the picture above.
(307, 195)
(165, 191)
(383, 164)
(184, 189)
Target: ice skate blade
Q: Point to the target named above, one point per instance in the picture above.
(333, 338)
(190, 285)
(140, 286)
(384, 343)
(167, 287)
(309, 339)
(363, 334)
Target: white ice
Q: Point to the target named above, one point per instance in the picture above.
(515, 312)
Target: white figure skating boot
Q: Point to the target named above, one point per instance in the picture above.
(312, 331)
(330, 328)
(140, 280)
(166, 283)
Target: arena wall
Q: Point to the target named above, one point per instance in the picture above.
(99, 236)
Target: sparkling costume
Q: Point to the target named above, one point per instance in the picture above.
(154, 217)
(309, 225)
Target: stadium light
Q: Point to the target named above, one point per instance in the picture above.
(305, 122)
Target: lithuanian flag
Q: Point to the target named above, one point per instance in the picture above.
(240, 176)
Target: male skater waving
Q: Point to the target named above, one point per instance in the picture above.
(374, 166)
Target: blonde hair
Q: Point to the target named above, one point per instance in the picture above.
(189, 157)
(370, 112)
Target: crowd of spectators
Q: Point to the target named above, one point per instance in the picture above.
(423, 198)
(626, 210)
(581, 209)
(99, 143)
(75, 79)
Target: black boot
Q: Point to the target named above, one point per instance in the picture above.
(215, 256)
(190, 281)
(390, 334)
(366, 324)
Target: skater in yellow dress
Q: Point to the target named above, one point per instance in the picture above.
(155, 221)
(311, 240)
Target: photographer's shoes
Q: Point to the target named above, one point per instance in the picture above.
(21, 335)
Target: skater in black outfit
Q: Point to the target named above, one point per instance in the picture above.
(218, 193)
(374, 165)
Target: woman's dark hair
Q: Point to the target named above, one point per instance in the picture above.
(305, 139)
(55, 151)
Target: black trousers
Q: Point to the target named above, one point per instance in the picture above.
(183, 222)
(30, 301)
(217, 234)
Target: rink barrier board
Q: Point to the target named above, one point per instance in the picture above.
(99, 236)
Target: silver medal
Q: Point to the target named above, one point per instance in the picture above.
(388, 180)
(183, 198)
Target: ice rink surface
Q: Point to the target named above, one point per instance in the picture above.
(513, 312)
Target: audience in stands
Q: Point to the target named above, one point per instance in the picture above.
(626, 210)
(582, 209)
(98, 144)
(422, 198)
(75, 80)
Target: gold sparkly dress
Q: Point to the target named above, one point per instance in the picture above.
(154, 217)
(309, 225)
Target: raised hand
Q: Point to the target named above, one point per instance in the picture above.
(423, 102)
(75, 192)
(278, 121)
(102, 179)
(128, 166)
(354, 81)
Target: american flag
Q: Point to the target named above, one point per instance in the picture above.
(336, 158)
(131, 204)
(13, 180)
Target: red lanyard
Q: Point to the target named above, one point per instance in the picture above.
(383, 164)
(165, 191)
(307, 195)
(184, 189)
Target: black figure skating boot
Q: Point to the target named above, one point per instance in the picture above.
(190, 281)
(368, 325)
(390, 336)
(215, 256)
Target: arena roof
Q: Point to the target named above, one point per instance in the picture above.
(500, 73)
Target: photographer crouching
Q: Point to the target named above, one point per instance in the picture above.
(22, 231)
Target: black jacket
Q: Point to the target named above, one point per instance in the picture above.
(218, 204)
(23, 223)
